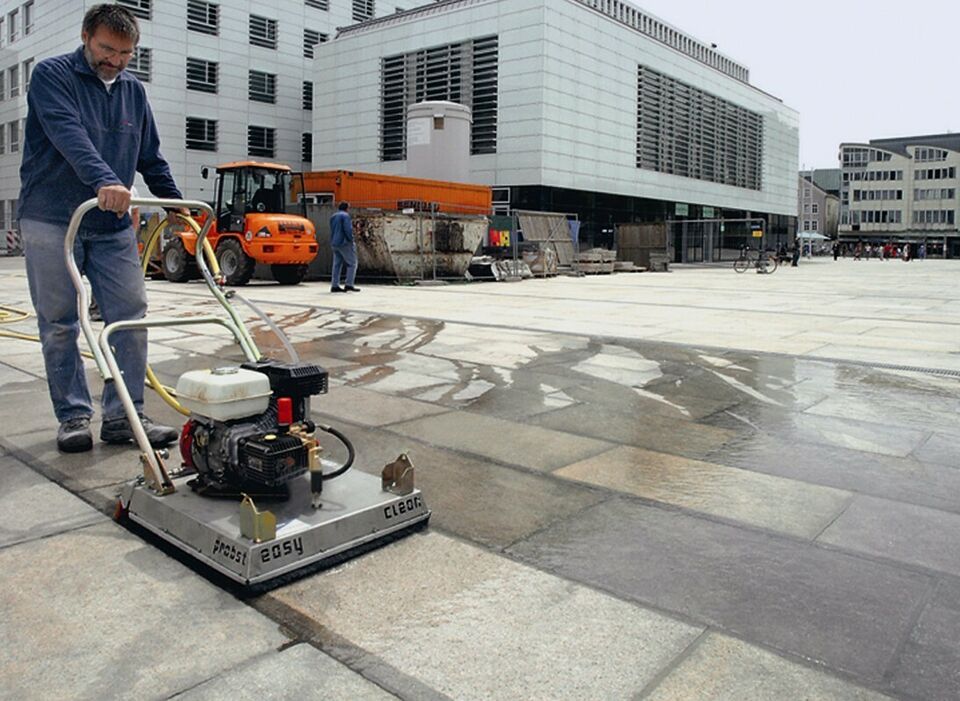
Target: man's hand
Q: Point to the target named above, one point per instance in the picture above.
(114, 198)
(172, 216)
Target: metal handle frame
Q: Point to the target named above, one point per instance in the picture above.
(103, 354)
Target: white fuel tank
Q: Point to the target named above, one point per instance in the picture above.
(224, 394)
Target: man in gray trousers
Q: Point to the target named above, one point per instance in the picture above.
(344, 249)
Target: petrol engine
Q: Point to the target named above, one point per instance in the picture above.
(249, 430)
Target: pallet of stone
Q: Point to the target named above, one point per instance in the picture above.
(627, 266)
(597, 255)
(596, 268)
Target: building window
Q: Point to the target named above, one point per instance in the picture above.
(201, 75)
(362, 10)
(140, 8)
(466, 72)
(306, 148)
(319, 4)
(815, 208)
(140, 63)
(310, 39)
(27, 17)
(13, 132)
(685, 131)
(12, 26)
(201, 134)
(203, 17)
(307, 102)
(3, 87)
(26, 71)
(3, 144)
(263, 87)
(13, 77)
(1, 31)
(3, 214)
(263, 32)
(260, 141)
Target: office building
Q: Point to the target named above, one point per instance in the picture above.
(902, 190)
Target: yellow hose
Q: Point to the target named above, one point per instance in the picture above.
(168, 394)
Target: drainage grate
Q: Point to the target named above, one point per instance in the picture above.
(891, 366)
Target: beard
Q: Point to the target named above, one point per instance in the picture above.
(103, 70)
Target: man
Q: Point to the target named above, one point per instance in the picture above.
(344, 249)
(89, 129)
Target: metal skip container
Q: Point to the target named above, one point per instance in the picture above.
(403, 246)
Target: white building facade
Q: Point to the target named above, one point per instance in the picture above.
(227, 80)
(903, 190)
(593, 107)
(587, 106)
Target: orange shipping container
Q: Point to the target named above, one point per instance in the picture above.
(397, 192)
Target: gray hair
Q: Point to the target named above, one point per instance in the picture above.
(117, 19)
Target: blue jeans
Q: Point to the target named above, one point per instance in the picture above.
(345, 255)
(110, 261)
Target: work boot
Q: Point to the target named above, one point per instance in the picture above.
(119, 431)
(351, 288)
(74, 435)
(337, 289)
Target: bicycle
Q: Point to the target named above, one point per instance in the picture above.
(765, 263)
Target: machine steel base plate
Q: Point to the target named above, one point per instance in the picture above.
(354, 512)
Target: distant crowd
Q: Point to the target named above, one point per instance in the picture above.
(862, 250)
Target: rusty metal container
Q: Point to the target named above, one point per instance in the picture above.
(397, 192)
(405, 247)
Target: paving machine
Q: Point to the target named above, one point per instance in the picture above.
(252, 495)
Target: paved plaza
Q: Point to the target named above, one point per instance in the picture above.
(685, 485)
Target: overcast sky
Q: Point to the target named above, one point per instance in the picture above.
(854, 69)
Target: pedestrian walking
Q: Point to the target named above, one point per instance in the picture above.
(344, 250)
(89, 129)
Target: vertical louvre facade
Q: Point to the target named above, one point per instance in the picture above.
(686, 131)
(465, 72)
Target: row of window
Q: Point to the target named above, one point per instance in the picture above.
(17, 22)
(873, 175)
(934, 216)
(811, 225)
(858, 156)
(870, 195)
(875, 216)
(935, 173)
(682, 130)
(10, 80)
(629, 15)
(465, 72)
(201, 135)
(923, 155)
(935, 193)
(204, 17)
(812, 208)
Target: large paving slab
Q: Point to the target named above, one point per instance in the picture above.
(32, 507)
(903, 532)
(778, 504)
(504, 441)
(844, 611)
(98, 614)
(474, 625)
(476, 499)
(929, 667)
(297, 673)
(900, 479)
(368, 408)
(641, 429)
(721, 668)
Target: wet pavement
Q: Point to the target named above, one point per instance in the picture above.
(694, 485)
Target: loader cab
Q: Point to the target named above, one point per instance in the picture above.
(255, 188)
